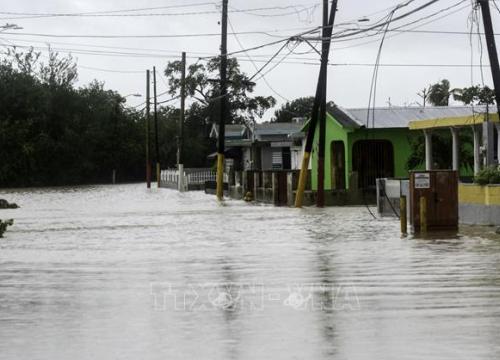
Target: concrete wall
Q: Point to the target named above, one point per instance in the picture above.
(479, 205)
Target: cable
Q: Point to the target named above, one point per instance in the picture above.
(243, 11)
(107, 11)
(149, 36)
(254, 64)
(400, 31)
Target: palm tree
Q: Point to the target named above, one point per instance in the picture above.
(439, 93)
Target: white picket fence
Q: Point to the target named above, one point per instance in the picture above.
(192, 176)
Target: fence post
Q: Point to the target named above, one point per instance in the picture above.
(402, 215)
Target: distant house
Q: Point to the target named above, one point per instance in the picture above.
(267, 146)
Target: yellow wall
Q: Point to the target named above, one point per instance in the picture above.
(477, 194)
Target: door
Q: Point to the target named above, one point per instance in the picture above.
(372, 159)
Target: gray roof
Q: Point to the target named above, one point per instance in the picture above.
(399, 117)
(267, 129)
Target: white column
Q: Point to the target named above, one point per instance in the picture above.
(428, 149)
(477, 145)
(456, 149)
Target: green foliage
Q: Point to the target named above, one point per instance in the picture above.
(301, 107)
(439, 93)
(476, 95)
(442, 149)
(3, 226)
(489, 175)
(52, 133)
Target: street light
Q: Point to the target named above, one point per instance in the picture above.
(134, 95)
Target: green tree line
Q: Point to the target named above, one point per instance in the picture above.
(55, 133)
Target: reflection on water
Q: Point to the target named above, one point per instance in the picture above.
(121, 272)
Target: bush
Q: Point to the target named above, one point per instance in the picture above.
(489, 175)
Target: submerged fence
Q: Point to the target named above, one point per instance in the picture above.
(193, 179)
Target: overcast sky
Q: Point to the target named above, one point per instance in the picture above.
(348, 84)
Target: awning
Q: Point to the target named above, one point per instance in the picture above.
(452, 121)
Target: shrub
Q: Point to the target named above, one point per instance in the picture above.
(489, 175)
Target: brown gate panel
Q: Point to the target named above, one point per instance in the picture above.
(440, 188)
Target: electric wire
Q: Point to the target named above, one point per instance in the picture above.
(254, 64)
(250, 11)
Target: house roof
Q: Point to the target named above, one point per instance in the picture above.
(268, 129)
(400, 117)
(231, 130)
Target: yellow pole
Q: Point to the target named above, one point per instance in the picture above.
(220, 177)
(423, 214)
(299, 196)
(402, 215)
(158, 174)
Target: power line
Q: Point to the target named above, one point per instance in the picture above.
(108, 11)
(306, 62)
(255, 65)
(400, 32)
(206, 12)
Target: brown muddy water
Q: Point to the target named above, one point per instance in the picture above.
(119, 272)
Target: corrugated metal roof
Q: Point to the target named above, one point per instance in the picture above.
(277, 128)
(399, 117)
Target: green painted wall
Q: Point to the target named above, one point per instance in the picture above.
(335, 132)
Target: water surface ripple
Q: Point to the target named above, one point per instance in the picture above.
(120, 272)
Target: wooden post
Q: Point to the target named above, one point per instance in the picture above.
(320, 201)
(223, 103)
(148, 163)
(423, 214)
(155, 117)
(402, 215)
(315, 111)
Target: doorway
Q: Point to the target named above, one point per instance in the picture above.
(372, 159)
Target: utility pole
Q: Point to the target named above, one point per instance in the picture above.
(320, 200)
(492, 49)
(316, 105)
(180, 143)
(223, 103)
(148, 164)
(155, 114)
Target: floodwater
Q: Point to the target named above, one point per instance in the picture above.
(119, 272)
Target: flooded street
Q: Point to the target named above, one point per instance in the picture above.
(119, 272)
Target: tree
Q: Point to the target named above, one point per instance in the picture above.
(301, 108)
(439, 93)
(52, 133)
(203, 87)
(476, 95)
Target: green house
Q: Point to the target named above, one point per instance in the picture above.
(363, 145)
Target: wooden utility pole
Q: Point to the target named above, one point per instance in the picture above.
(316, 105)
(492, 49)
(223, 103)
(148, 164)
(320, 200)
(180, 143)
(155, 114)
